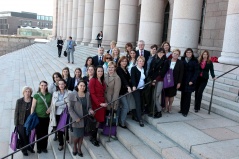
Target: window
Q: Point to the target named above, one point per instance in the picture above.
(42, 17)
(202, 21)
(46, 18)
(50, 18)
(165, 26)
(38, 17)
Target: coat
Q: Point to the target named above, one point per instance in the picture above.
(97, 94)
(73, 44)
(205, 71)
(54, 107)
(146, 56)
(20, 111)
(75, 108)
(31, 122)
(135, 76)
(96, 61)
(125, 80)
(60, 43)
(190, 74)
(157, 67)
(113, 85)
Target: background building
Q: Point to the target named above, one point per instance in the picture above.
(198, 24)
(11, 21)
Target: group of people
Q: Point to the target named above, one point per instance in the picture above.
(137, 78)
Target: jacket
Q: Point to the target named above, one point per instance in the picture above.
(31, 122)
(75, 108)
(113, 85)
(73, 45)
(135, 76)
(205, 71)
(157, 67)
(125, 80)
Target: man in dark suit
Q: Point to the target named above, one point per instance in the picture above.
(98, 59)
(112, 46)
(142, 52)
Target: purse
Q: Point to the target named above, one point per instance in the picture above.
(15, 141)
(168, 80)
(65, 53)
(63, 120)
(90, 124)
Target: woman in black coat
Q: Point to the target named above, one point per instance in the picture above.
(67, 77)
(60, 44)
(75, 79)
(190, 75)
(206, 65)
(138, 81)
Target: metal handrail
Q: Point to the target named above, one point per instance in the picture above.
(210, 104)
(65, 127)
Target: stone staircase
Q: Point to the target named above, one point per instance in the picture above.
(171, 137)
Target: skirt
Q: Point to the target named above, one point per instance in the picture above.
(170, 92)
(77, 132)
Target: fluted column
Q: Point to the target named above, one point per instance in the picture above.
(111, 18)
(74, 19)
(186, 24)
(127, 22)
(62, 18)
(69, 17)
(151, 22)
(98, 19)
(54, 25)
(89, 5)
(58, 26)
(80, 20)
(65, 6)
(230, 49)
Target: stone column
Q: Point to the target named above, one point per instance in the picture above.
(127, 22)
(230, 49)
(69, 17)
(111, 18)
(74, 19)
(151, 22)
(80, 20)
(98, 19)
(54, 27)
(58, 18)
(65, 6)
(62, 18)
(186, 24)
(89, 5)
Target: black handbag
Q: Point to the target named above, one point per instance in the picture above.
(65, 53)
(90, 124)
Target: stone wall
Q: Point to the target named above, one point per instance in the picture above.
(214, 26)
(12, 43)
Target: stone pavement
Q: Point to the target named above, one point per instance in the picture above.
(172, 137)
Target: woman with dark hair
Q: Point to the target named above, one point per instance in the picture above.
(99, 38)
(116, 54)
(124, 75)
(190, 75)
(79, 106)
(132, 60)
(153, 51)
(90, 74)
(156, 74)
(59, 103)
(88, 62)
(66, 76)
(177, 66)
(167, 49)
(97, 88)
(41, 105)
(22, 111)
(54, 86)
(128, 47)
(206, 65)
(107, 58)
(77, 77)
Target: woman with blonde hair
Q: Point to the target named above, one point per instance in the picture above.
(107, 58)
(205, 65)
(116, 54)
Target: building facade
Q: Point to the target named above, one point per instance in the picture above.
(198, 24)
(11, 21)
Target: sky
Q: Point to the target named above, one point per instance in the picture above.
(42, 7)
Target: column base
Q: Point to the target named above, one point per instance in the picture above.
(229, 60)
(85, 43)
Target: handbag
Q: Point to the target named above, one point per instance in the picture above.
(90, 124)
(65, 53)
(63, 120)
(32, 136)
(15, 141)
(168, 80)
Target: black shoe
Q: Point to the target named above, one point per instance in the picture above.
(158, 115)
(196, 111)
(74, 153)
(150, 114)
(141, 123)
(45, 151)
(31, 150)
(94, 142)
(185, 115)
(25, 153)
(123, 126)
(60, 148)
(80, 154)
(38, 151)
(179, 111)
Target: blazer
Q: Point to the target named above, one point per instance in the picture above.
(72, 84)
(157, 67)
(20, 111)
(60, 44)
(75, 108)
(190, 74)
(108, 51)
(146, 56)
(113, 85)
(177, 71)
(73, 44)
(135, 76)
(53, 107)
(96, 61)
(205, 71)
(125, 80)
(68, 83)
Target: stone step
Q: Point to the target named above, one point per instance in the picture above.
(86, 155)
(49, 155)
(157, 141)
(96, 152)
(228, 81)
(135, 145)
(115, 148)
(224, 87)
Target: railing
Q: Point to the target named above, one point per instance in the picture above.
(210, 105)
(65, 127)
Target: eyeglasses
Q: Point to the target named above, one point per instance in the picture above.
(108, 58)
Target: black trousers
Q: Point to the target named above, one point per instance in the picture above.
(138, 96)
(185, 102)
(200, 86)
(60, 133)
(59, 51)
(23, 137)
(42, 130)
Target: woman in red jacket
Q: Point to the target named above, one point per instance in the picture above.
(97, 88)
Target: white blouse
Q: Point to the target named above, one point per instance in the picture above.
(142, 77)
